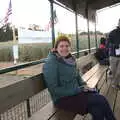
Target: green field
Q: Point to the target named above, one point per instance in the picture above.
(30, 52)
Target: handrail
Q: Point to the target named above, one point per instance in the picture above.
(28, 64)
(80, 51)
(21, 66)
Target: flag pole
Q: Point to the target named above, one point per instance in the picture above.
(14, 44)
(14, 36)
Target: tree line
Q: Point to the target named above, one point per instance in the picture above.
(6, 33)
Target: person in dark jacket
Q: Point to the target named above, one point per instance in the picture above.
(102, 43)
(67, 88)
(114, 52)
(101, 53)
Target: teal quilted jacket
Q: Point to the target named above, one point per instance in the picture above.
(62, 79)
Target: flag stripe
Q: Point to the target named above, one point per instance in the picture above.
(50, 22)
(9, 12)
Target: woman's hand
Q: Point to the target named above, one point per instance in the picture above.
(88, 89)
(53, 50)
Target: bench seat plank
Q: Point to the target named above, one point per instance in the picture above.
(96, 77)
(105, 87)
(44, 113)
(63, 115)
(90, 73)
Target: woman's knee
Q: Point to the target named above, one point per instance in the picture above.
(98, 99)
(102, 99)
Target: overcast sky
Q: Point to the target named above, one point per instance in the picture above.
(25, 12)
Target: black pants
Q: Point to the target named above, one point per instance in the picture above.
(99, 108)
(83, 103)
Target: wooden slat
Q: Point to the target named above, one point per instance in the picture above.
(98, 78)
(105, 87)
(91, 72)
(44, 113)
(83, 61)
(63, 115)
(12, 95)
(111, 96)
(94, 80)
(102, 81)
(117, 106)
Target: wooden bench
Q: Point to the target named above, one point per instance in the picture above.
(49, 112)
(24, 89)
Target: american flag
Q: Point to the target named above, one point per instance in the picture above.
(49, 25)
(9, 12)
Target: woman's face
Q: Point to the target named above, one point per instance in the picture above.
(63, 48)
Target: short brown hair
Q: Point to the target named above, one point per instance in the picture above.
(61, 38)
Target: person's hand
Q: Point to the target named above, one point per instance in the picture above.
(79, 89)
(53, 50)
(86, 89)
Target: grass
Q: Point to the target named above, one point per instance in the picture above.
(30, 52)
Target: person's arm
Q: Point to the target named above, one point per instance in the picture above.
(50, 72)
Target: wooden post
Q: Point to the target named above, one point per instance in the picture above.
(77, 40)
(52, 22)
(14, 43)
(95, 34)
(87, 16)
(28, 108)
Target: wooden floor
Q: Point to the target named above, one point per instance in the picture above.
(112, 95)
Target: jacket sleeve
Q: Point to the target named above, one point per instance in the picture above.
(111, 36)
(51, 79)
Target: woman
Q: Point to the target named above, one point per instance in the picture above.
(67, 88)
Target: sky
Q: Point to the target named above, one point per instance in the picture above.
(25, 12)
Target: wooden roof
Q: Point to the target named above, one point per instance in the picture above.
(90, 5)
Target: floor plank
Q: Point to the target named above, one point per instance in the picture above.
(117, 106)
(44, 113)
(111, 96)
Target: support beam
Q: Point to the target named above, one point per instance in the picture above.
(86, 11)
(52, 23)
(77, 39)
(96, 34)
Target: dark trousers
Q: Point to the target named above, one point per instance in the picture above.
(99, 108)
(92, 103)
